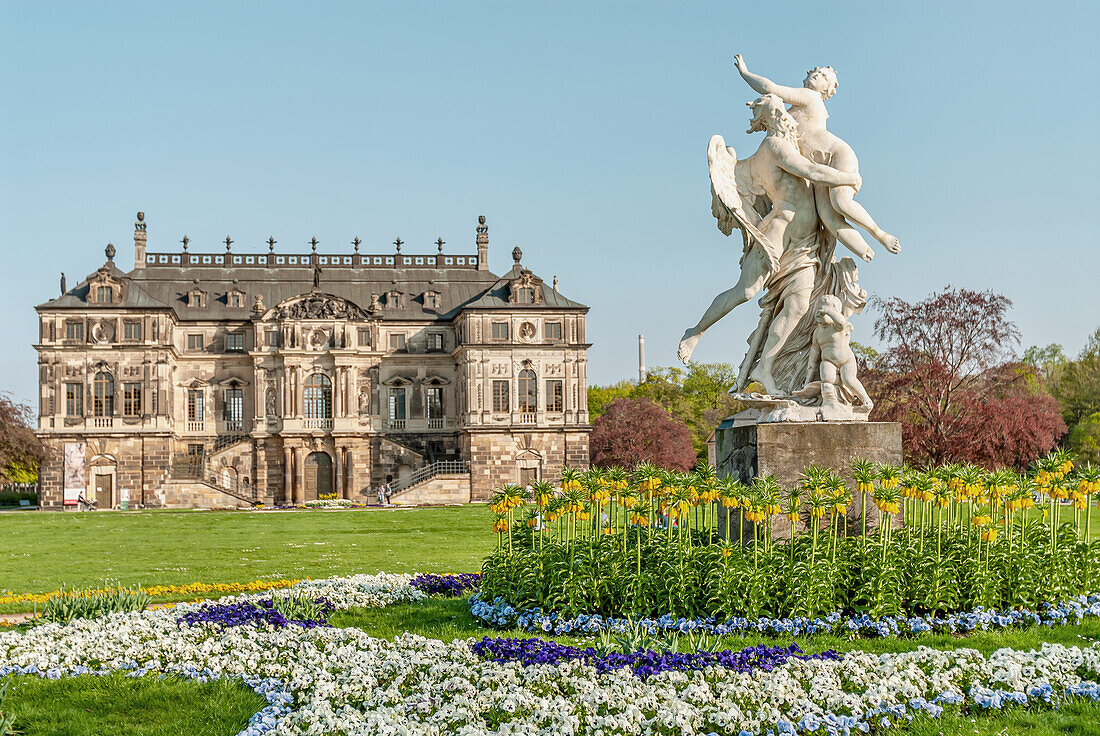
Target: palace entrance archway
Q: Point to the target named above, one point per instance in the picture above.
(318, 475)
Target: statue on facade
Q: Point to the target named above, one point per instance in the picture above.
(792, 202)
(270, 408)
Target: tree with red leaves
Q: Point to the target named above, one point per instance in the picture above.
(951, 378)
(20, 451)
(631, 431)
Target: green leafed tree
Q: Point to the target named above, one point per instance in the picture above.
(1075, 382)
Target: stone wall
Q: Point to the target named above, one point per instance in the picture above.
(496, 458)
(189, 494)
(446, 488)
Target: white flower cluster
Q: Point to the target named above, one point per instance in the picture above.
(360, 591)
(331, 503)
(343, 681)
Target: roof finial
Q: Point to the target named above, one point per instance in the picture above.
(185, 241)
(356, 243)
(440, 243)
(228, 242)
(398, 243)
(271, 241)
(555, 282)
(140, 224)
(482, 244)
(313, 242)
(110, 251)
(517, 254)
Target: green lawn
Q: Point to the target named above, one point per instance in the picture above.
(41, 551)
(116, 705)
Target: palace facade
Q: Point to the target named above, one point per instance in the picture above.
(227, 378)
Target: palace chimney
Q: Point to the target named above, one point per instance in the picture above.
(482, 244)
(642, 375)
(139, 241)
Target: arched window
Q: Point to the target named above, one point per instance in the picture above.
(103, 395)
(526, 399)
(318, 397)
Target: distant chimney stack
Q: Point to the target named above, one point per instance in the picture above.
(139, 241)
(641, 359)
(482, 244)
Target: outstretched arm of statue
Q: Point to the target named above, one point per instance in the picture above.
(765, 86)
(793, 162)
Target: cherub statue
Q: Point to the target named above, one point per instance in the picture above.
(831, 356)
(836, 204)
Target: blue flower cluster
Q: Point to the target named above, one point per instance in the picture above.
(264, 721)
(501, 614)
(447, 586)
(251, 613)
(643, 663)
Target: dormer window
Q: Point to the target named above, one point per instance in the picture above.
(431, 299)
(196, 298)
(526, 289)
(393, 299)
(104, 295)
(234, 299)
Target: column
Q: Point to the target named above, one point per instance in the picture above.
(299, 477)
(337, 398)
(349, 476)
(339, 453)
(288, 476)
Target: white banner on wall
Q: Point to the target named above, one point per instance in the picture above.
(75, 472)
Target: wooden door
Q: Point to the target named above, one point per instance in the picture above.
(528, 476)
(103, 491)
(318, 475)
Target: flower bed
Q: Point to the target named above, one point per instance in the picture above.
(345, 681)
(451, 585)
(642, 663)
(158, 591)
(502, 615)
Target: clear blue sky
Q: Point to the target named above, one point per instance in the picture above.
(579, 129)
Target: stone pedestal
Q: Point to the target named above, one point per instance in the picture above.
(785, 449)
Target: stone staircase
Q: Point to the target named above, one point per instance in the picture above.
(443, 482)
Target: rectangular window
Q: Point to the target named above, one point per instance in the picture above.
(364, 337)
(397, 404)
(501, 401)
(555, 396)
(234, 404)
(234, 299)
(104, 294)
(435, 402)
(74, 330)
(131, 331)
(74, 399)
(271, 338)
(194, 450)
(500, 330)
(551, 330)
(435, 341)
(53, 330)
(194, 405)
(131, 399)
(234, 342)
(397, 341)
(194, 342)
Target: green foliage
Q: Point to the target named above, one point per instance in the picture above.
(298, 607)
(18, 472)
(12, 498)
(69, 606)
(697, 395)
(7, 720)
(902, 574)
(1075, 383)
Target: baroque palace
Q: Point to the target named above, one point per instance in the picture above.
(226, 378)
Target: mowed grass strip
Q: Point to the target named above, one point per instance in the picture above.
(40, 552)
(117, 705)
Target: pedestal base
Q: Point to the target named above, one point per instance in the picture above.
(784, 449)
